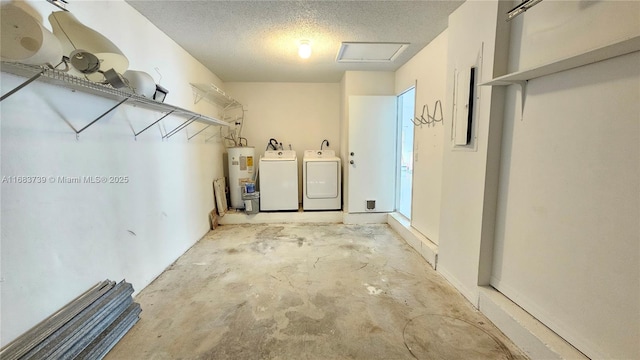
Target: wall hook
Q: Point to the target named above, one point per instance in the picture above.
(431, 119)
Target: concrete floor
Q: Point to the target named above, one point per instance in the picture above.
(307, 291)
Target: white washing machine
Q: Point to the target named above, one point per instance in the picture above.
(321, 181)
(278, 173)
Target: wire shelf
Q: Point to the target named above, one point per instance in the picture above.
(64, 79)
(214, 95)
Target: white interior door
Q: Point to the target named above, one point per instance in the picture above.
(372, 154)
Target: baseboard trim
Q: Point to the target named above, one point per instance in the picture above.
(234, 217)
(530, 335)
(364, 218)
(420, 243)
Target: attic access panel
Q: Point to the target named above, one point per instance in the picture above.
(370, 52)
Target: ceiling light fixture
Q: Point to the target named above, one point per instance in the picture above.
(304, 49)
(522, 7)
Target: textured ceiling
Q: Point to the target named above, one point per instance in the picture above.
(256, 41)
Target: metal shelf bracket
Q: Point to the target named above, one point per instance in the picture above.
(180, 127)
(523, 95)
(198, 132)
(197, 97)
(100, 117)
(17, 88)
(135, 135)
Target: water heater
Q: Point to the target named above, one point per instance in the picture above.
(241, 170)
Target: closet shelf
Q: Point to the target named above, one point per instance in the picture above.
(63, 79)
(619, 48)
(214, 95)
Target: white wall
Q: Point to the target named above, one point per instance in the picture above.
(564, 216)
(557, 29)
(428, 71)
(358, 83)
(466, 219)
(568, 233)
(300, 114)
(567, 246)
(60, 239)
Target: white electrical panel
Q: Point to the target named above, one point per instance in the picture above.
(463, 106)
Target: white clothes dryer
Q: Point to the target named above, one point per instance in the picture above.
(321, 183)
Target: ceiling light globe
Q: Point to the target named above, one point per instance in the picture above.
(304, 50)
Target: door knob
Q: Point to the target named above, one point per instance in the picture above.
(351, 162)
